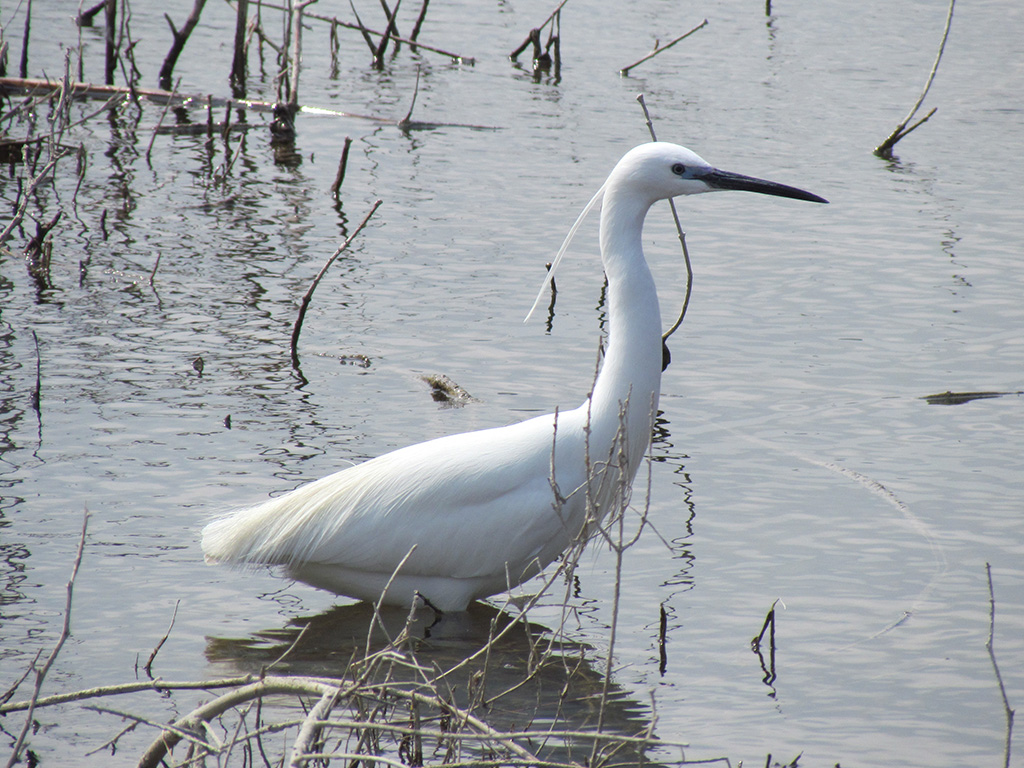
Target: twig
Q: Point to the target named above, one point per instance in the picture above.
(625, 70)
(995, 666)
(311, 728)
(17, 683)
(156, 650)
(362, 28)
(64, 634)
(23, 64)
(27, 197)
(85, 18)
(755, 645)
(110, 54)
(37, 390)
(316, 281)
(378, 56)
(291, 647)
(163, 114)
(298, 8)
(679, 231)
(419, 21)
(180, 38)
(380, 601)
(535, 32)
(342, 164)
(133, 687)
(885, 148)
(406, 121)
(238, 63)
(662, 640)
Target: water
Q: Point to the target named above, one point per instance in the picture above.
(796, 458)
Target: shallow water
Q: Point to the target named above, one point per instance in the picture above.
(796, 459)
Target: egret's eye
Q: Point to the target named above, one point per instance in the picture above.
(678, 169)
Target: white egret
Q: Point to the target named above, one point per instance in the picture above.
(483, 511)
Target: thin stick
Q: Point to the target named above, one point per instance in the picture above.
(238, 63)
(380, 601)
(180, 38)
(17, 683)
(134, 687)
(625, 70)
(37, 392)
(362, 28)
(156, 265)
(378, 56)
(110, 57)
(296, 55)
(64, 634)
(679, 230)
(85, 18)
(406, 121)
(288, 650)
(23, 65)
(342, 164)
(27, 198)
(148, 148)
(419, 20)
(536, 30)
(992, 655)
(310, 729)
(316, 281)
(885, 148)
(156, 650)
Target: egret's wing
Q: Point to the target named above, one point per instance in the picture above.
(466, 501)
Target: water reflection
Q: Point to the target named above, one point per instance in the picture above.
(512, 673)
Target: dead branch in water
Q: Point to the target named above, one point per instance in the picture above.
(534, 34)
(885, 148)
(297, 329)
(679, 231)
(342, 164)
(64, 634)
(368, 31)
(180, 38)
(990, 645)
(625, 70)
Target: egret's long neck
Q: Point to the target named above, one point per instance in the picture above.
(632, 364)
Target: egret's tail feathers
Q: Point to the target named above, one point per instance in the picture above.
(239, 538)
(287, 530)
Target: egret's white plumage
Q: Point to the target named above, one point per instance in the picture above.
(478, 511)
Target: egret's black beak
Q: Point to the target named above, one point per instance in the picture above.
(726, 180)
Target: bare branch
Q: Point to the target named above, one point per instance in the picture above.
(990, 645)
(625, 70)
(885, 148)
(320, 276)
(65, 632)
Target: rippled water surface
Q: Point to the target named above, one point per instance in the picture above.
(797, 458)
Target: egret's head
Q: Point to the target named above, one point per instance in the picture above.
(664, 170)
